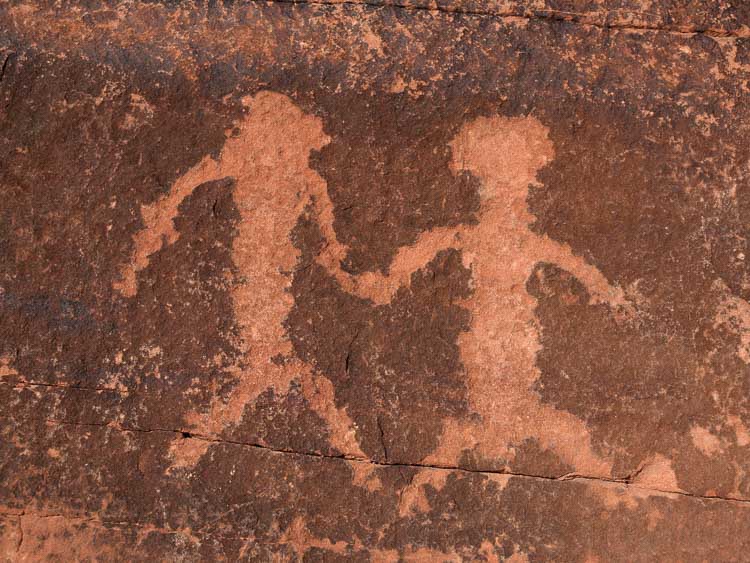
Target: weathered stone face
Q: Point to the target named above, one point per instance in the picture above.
(322, 281)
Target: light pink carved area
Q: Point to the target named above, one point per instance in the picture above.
(500, 349)
(268, 160)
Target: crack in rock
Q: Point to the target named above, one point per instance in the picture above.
(624, 481)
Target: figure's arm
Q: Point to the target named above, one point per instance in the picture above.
(379, 287)
(600, 289)
(158, 218)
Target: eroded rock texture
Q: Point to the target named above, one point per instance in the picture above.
(380, 281)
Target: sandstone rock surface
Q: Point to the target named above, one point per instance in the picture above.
(375, 281)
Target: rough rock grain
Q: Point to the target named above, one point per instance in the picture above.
(377, 281)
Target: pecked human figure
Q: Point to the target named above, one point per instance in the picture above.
(267, 156)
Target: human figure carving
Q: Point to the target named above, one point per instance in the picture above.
(273, 184)
(499, 351)
(268, 160)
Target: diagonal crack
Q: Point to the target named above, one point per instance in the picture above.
(21, 536)
(347, 358)
(5, 65)
(602, 20)
(624, 481)
(382, 439)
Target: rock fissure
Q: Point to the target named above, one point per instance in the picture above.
(24, 383)
(5, 65)
(624, 481)
(579, 18)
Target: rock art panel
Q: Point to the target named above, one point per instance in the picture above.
(370, 281)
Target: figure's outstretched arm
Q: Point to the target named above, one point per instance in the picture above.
(600, 289)
(158, 218)
(379, 287)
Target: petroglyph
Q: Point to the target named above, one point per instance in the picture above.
(500, 349)
(267, 157)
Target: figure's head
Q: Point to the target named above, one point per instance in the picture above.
(505, 153)
(273, 130)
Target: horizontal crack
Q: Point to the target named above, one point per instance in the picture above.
(625, 481)
(594, 19)
(22, 383)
